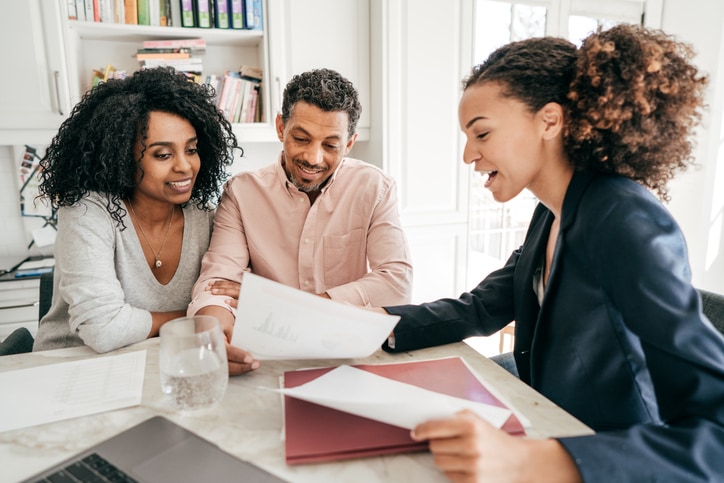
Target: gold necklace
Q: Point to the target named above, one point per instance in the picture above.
(156, 255)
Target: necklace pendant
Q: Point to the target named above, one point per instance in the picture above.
(158, 263)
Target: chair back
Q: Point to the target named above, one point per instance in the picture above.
(713, 307)
(46, 294)
(19, 341)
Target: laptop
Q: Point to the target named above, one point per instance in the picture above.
(155, 451)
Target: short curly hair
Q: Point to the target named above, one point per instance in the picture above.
(93, 150)
(326, 89)
(631, 95)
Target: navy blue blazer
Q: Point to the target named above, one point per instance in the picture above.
(619, 341)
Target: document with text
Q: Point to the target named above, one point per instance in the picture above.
(275, 322)
(66, 390)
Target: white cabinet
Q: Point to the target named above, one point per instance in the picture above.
(34, 98)
(19, 305)
(309, 34)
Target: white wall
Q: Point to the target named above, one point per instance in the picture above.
(698, 195)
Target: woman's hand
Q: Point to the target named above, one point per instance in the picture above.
(228, 288)
(469, 449)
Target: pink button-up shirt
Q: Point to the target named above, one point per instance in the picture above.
(349, 243)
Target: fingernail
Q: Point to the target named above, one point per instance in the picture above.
(248, 359)
(255, 365)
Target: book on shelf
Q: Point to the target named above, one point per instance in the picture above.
(165, 19)
(193, 45)
(106, 11)
(130, 10)
(221, 14)
(194, 65)
(251, 72)
(173, 11)
(154, 13)
(253, 14)
(144, 12)
(204, 14)
(89, 11)
(163, 55)
(188, 13)
(96, 10)
(72, 10)
(119, 11)
(236, 14)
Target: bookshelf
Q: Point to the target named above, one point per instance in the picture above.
(94, 45)
(60, 55)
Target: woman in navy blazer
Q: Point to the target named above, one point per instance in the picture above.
(608, 325)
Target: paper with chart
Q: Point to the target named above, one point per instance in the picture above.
(274, 322)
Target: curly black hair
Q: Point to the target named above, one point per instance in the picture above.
(632, 98)
(326, 89)
(93, 149)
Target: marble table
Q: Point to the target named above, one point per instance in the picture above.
(249, 424)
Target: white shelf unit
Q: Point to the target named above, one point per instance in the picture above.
(94, 45)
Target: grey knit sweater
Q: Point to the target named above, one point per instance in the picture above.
(103, 289)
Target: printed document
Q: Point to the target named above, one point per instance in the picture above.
(275, 322)
(66, 390)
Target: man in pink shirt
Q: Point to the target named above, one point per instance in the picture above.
(314, 220)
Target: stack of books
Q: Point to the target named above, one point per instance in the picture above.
(178, 54)
(238, 94)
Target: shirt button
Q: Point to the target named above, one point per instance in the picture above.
(306, 240)
(306, 283)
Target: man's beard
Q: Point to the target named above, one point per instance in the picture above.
(301, 186)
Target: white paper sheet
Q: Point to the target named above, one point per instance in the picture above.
(362, 393)
(66, 390)
(274, 321)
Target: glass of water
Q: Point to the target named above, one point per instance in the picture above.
(193, 367)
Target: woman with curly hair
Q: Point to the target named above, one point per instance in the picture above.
(134, 173)
(608, 325)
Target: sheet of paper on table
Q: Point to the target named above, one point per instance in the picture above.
(375, 397)
(274, 321)
(66, 390)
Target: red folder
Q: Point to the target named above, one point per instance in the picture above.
(317, 433)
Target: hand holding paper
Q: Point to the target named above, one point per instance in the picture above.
(274, 321)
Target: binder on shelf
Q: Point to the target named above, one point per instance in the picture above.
(204, 14)
(236, 14)
(188, 14)
(253, 14)
(221, 14)
(317, 433)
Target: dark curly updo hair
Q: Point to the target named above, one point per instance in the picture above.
(93, 150)
(327, 90)
(631, 95)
